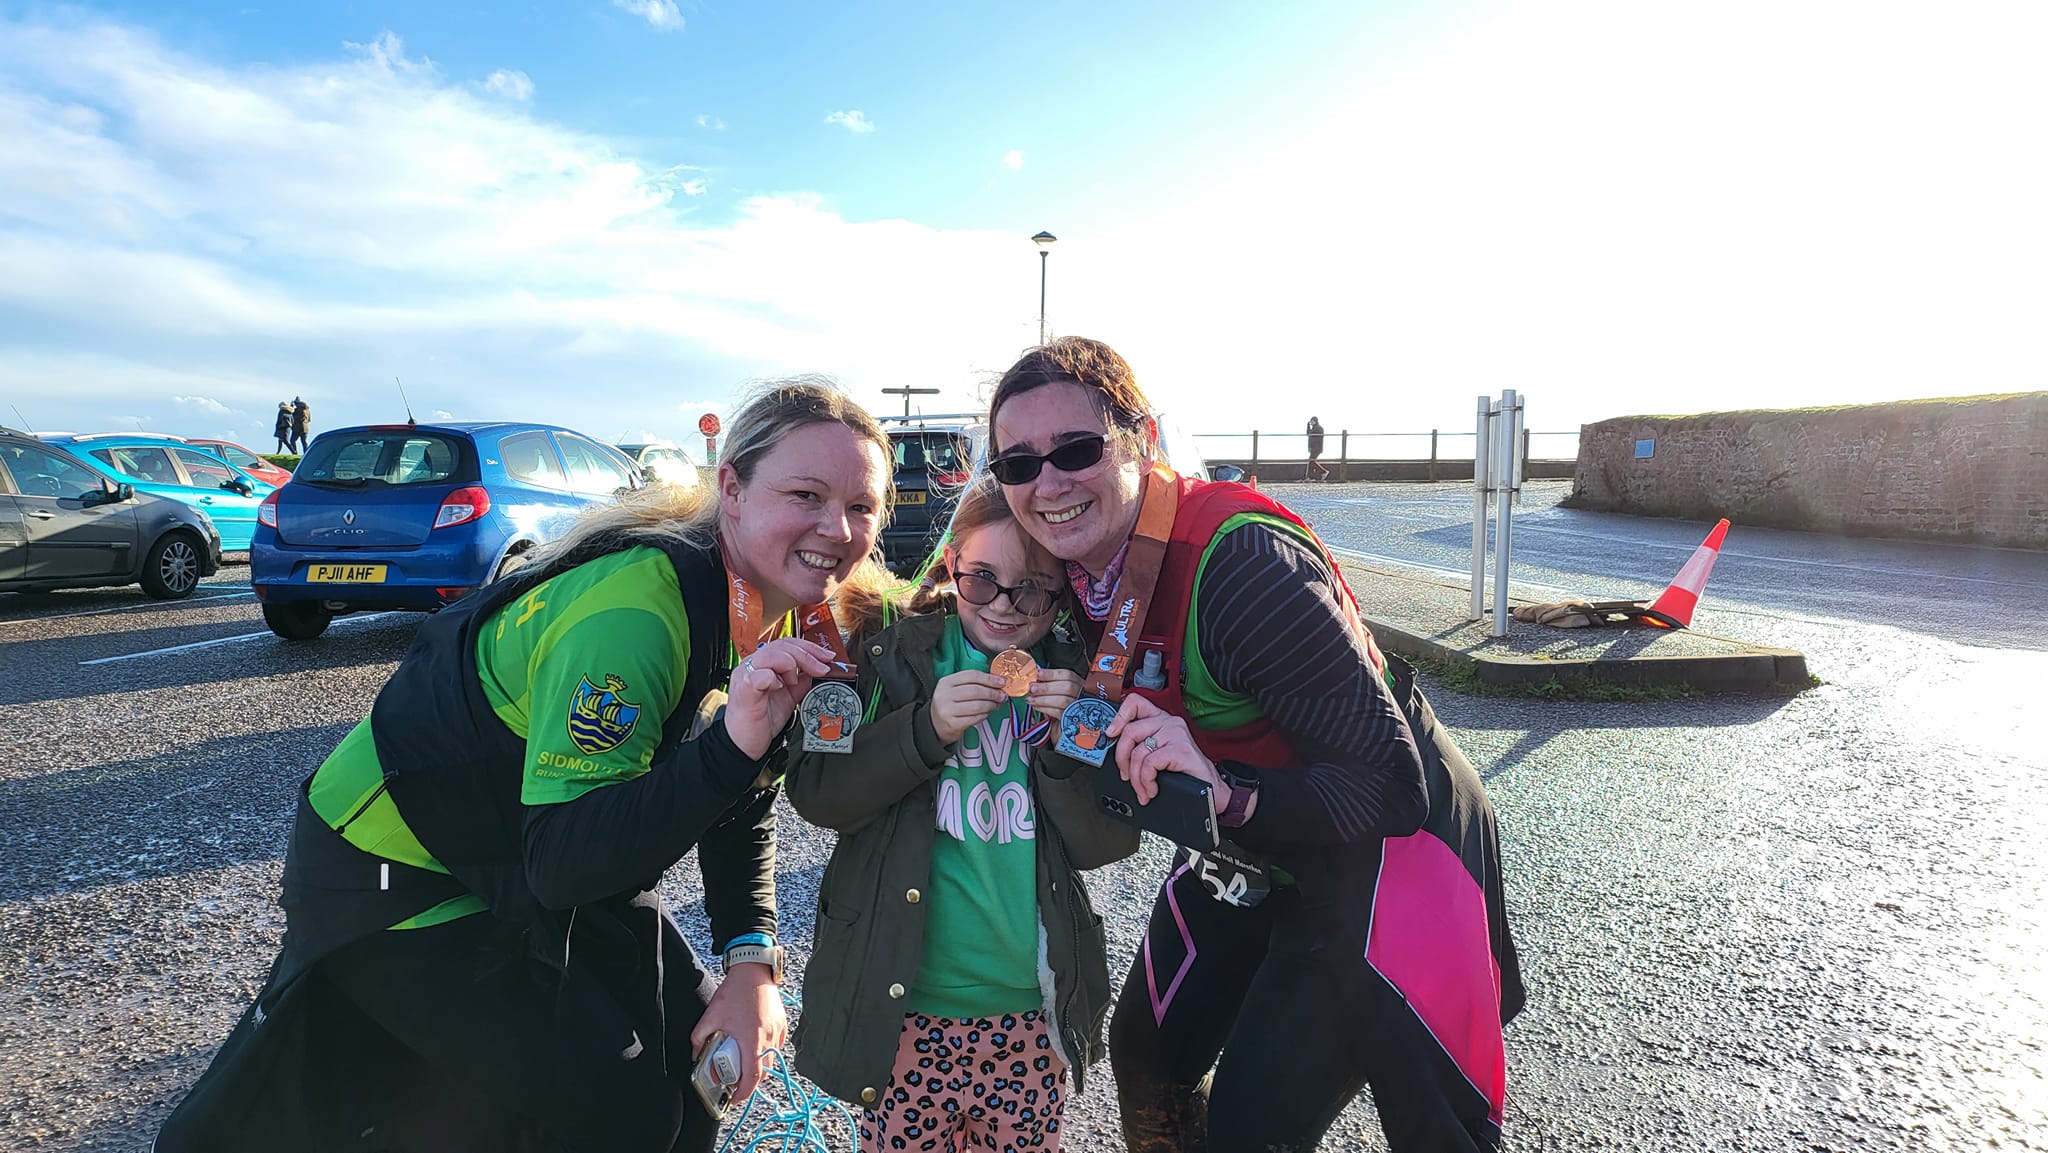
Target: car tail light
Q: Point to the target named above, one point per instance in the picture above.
(266, 513)
(462, 506)
(949, 479)
(454, 594)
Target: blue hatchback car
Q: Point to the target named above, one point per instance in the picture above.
(414, 516)
(167, 466)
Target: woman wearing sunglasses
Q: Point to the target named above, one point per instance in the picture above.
(1351, 931)
(960, 974)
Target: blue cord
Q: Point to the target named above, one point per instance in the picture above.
(794, 1123)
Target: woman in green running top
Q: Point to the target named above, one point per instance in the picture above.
(475, 957)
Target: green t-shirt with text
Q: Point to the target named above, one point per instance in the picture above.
(981, 919)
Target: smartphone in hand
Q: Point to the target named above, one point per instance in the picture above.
(717, 1074)
(1182, 811)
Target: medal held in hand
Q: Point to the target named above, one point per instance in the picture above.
(1083, 726)
(1017, 669)
(832, 709)
(829, 714)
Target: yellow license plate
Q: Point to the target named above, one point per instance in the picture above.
(347, 574)
(910, 498)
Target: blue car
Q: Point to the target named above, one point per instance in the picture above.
(414, 516)
(167, 466)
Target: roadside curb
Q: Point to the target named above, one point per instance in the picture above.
(1427, 620)
(1753, 669)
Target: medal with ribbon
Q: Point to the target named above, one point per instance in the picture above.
(1084, 725)
(1019, 672)
(831, 710)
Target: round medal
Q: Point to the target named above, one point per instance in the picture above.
(829, 714)
(1017, 669)
(1081, 730)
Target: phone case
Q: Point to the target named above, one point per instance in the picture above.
(1182, 812)
(717, 1072)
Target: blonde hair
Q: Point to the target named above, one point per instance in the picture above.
(663, 513)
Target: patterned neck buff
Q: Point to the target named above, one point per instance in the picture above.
(1095, 594)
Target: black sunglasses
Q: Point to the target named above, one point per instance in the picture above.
(1073, 456)
(977, 589)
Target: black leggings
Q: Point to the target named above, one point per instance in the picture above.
(1301, 1023)
(507, 1039)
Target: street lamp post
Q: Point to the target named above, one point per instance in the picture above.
(1044, 242)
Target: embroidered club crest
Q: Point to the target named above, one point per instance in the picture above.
(600, 717)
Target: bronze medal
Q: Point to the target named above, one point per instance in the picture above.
(1017, 669)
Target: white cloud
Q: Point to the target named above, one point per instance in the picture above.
(1574, 202)
(205, 404)
(708, 121)
(365, 216)
(854, 119)
(663, 14)
(1013, 159)
(443, 414)
(509, 83)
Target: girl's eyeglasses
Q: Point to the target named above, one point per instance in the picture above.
(981, 589)
(1073, 456)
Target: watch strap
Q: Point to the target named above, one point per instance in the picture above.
(769, 955)
(1242, 786)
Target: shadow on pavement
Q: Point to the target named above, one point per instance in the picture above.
(156, 816)
(61, 676)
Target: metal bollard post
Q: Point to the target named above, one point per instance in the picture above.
(1343, 455)
(1510, 430)
(1480, 471)
(1255, 451)
(1432, 454)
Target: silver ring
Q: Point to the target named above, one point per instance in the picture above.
(1152, 743)
(748, 664)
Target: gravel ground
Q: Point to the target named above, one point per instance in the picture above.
(1754, 924)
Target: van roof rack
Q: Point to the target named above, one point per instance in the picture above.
(922, 417)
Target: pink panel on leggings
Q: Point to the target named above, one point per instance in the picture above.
(1429, 939)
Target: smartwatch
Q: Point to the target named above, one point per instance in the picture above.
(1242, 785)
(755, 949)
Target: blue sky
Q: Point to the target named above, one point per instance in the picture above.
(615, 214)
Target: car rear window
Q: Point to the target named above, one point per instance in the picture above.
(933, 452)
(396, 457)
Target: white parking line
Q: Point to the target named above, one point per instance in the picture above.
(223, 641)
(126, 608)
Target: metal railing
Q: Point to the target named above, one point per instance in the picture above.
(1341, 445)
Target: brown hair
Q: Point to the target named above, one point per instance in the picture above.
(1112, 386)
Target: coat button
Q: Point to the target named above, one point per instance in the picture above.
(896, 991)
(874, 650)
(913, 896)
(867, 1096)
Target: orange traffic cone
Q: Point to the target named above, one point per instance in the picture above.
(1673, 610)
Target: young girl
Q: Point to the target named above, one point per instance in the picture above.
(958, 967)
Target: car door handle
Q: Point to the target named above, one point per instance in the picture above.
(43, 514)
(205, 500)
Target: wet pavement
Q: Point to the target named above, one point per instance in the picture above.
(1806, 923)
